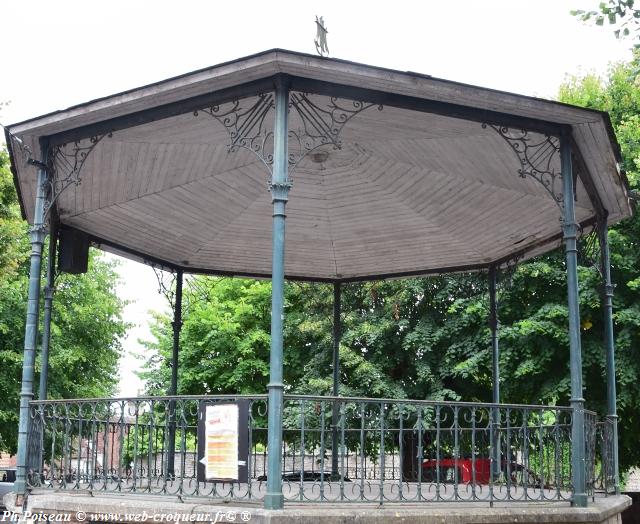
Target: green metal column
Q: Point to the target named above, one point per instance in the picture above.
(578, 464)
(337, 292)
(495, 367)
(493, 324)
(48, 305)
(280, 186)
(173, 387)
(612, 414)
(37, 234)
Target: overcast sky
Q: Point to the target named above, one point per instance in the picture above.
(61, 53)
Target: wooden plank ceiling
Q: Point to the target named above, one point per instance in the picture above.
(407, 192)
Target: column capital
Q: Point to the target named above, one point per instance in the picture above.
(48, 292)
(280, 191)
(37, 234)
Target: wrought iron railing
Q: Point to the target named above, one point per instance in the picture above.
(605, 479)
(387, 450)
(590, 437)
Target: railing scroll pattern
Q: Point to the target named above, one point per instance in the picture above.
(390, 450)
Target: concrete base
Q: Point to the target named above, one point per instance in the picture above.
(83, 507)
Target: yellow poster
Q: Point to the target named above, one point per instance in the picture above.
(221, 437)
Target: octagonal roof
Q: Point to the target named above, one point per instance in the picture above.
(420, 176)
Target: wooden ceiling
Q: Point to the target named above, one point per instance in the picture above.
(408, 191)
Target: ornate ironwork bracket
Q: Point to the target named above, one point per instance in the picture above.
(197, 288)
(65, 165)
(36, 232)
(246, 125)
(19, 145)
(589, 253)
(536, 154)
(320, 126)
(166, 284)
(506, 273)
(317, 126)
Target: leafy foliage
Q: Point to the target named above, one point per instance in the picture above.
(225, 341)
(620, 96)
(86, 325)
(620, 13)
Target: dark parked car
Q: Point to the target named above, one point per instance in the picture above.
(307, 476)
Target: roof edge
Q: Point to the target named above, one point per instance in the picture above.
(280, 52)
(14, 171)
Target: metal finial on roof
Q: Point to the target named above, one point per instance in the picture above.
(321, 37)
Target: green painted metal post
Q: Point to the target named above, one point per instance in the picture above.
(337, 333)
(31, 332)
(177, 327)
(173, 387)
(495, 367)
(46, 323)
(612, 414)
(493, 324)
(280, 186)
(578, 462)
(48, 305)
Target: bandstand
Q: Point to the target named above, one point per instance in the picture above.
(377, 174)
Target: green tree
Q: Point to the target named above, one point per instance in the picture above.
(86, 327)
(620, 96)
(224, 340)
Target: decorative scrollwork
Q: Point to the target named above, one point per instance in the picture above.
(505, 276)
(320, 126)
(589, 250)
(536, 154)
(197, 288)
(246, 125)
(121, 445)
(166, 284)
(504, 279)
(315, 126)
(65, 165)
(18, 145)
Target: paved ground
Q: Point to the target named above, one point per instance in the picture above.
(82, 507)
